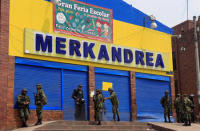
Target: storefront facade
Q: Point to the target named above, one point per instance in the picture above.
(93, 43)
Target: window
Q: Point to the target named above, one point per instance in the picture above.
(174, 60)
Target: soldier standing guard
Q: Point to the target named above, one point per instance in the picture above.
(178, 105)
(79, 103)
(23, 102)
(187, 104)
(98, 106)
(115, 103)
(191, 97)
(40, 101)
(166, 104)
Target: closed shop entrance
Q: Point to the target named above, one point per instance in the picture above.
(71, 80)
(119, 81)
(149, 90)
(58, 81)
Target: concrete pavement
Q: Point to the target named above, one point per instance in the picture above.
(175, 126)
(154, 125)
(32, 127)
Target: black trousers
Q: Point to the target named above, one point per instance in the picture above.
(80, 112)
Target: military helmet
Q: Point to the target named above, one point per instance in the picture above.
(39, 85)
(98, 90)
(24, 90)
(191, 95)
(166, 91)
(110, 89)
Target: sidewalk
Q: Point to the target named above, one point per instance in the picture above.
(175, 126)
(155, 125)
(32, 127)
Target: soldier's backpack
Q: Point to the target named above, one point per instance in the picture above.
(44, 99)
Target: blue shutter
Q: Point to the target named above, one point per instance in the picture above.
(148, 95)
(71, 80)
(120, 81)
(28, 76)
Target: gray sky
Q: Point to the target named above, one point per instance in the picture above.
(168, 12)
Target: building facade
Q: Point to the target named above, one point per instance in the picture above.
(98, 44)
(184, 61)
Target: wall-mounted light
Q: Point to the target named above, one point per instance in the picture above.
(183, 48)
(152, 19)
(177, 36)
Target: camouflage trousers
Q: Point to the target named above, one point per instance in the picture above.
(24, 114)
(98, 115)
(79, 112)
(115, 111)
(179, 116)
(167, 111)
(187, 117)
(39, 112)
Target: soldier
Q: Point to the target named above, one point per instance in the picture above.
(98, 105)
(79, 103)
(191, 97)
(187, 104)
(178, 105)
(23, 102)
(115, 103)
(40, 101)
(166, 104)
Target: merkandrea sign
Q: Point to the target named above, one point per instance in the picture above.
(71, 47)
(83, 20)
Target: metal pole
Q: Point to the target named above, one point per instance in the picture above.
(187, 9)
(197, 57)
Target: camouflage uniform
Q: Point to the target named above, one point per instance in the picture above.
(40, 101)
(166, 104)
(191, 97)
(23, 106)
(187, 104)
(98, 105)
(179, 108)
(115, 103)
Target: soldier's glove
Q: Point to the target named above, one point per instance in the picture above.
(38, 102)
(26, 103)
(83, 101)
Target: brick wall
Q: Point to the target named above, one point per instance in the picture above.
(91, 89)
(185, 73)
(133, 96)
(15, 121)
(5, 75)
(173, 96)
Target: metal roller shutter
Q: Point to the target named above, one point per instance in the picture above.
(148, 95)
(71, 80)
(120, 84)
(28, 76)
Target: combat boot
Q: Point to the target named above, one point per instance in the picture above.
(118, 119)
(165, 119)
(114, 118)
(189, 124)
(99, 123)
(185, 124)
(24, 123)
(39, 122)
(169, 120)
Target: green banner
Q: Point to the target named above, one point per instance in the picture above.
(83, 20)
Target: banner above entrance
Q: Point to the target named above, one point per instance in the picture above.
(70, 47)
(83, 20)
